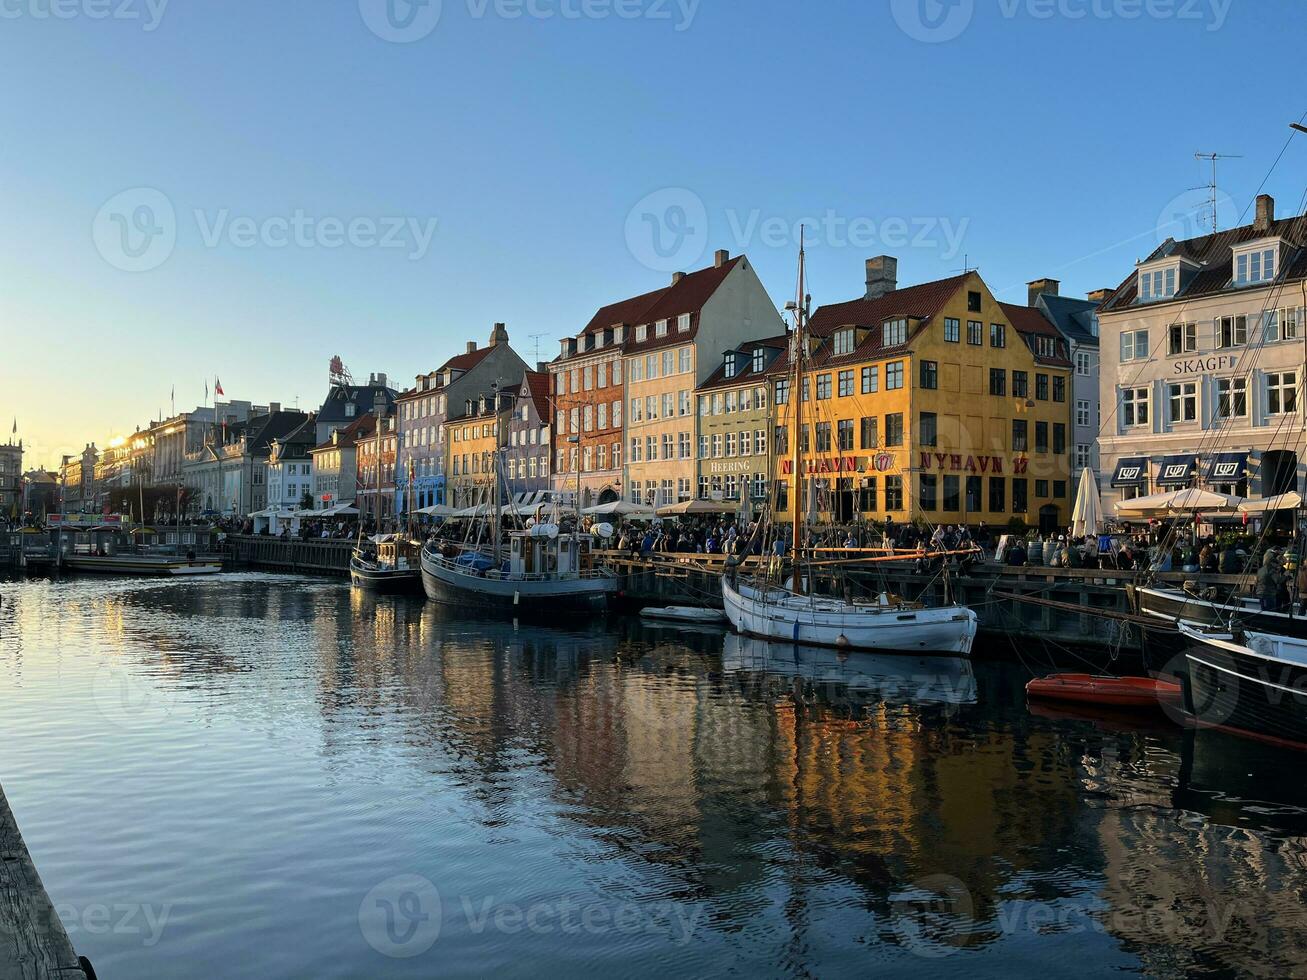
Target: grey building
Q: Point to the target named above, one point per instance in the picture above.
(229, 474)
(1077, 321)
(346, 402)
(440, 397)
(11, 479)
(527, 455)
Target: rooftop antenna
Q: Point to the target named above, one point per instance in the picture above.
(1211, 188)
(966, 265)
(536, 337)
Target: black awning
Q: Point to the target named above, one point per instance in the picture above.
(1227, 467)
(1131, 471)
(1177, 471)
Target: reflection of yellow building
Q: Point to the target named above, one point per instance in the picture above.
(932, 401)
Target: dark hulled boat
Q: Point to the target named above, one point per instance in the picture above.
(1247, 683)
(390, 566)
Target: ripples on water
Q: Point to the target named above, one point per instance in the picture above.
(270, 776)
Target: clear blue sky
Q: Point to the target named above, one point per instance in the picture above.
(1053, 143)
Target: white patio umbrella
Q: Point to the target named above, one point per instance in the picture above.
(436, 510)
(1176, 502)
(1285, 501)
(1087, 514)
(619, 508)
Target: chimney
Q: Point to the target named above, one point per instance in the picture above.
(542, 367)
(1265, 213)
(882, 276)
(471, 346)
(274, 408)
(677, 277)
(1100, 296)
(721, 258)
(1038, 287)
(499, 335)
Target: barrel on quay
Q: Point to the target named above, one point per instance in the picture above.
(36, 944)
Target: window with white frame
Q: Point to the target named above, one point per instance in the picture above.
(1134, 345)
(894, 333)
(1281, 392)
(683, 323)
(1134, 406)
(660, 328)
(1182, 338)
(1281, 324)
(641, 332)
(686, 353)
(1231, 331)
(1254, 266)
(1082, 411)
(1232, 398)
(1183, 401)
(844, 341)
(1157, 284)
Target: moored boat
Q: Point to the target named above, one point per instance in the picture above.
(129, 564)
(777, 613)
(1247, 683)
(545, 572)
(390, 565)
(693, 615)
(1116, 692)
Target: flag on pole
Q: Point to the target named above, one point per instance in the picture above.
(206, 391)
(14, 430)
(217, 386)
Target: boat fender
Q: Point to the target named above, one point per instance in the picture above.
(517, 596)
(842, 641)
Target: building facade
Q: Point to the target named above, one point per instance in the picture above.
(290, 469)
(77, 493)
(11, 479)
(439, 398)
(935, 402)
(335, 466)
(375, 453)
(672, 348)
(229, 474)
(1077, 321)
(1203, 363)
(347, 401)
(587, 382)
(528, 453)
(475, 442)
(735, 425)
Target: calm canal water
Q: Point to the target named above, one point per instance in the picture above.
(270, 776)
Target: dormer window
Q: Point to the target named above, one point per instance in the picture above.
(683, 323)
(660, 328)
(617, 333)
(894, 333)
(598, 340)
(759, 359)
(1157, 284)
(1045, 346)
(641, 332)
(729, 365)
(843, 342)
(1255, 263)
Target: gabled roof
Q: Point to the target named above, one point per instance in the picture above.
(687, 295)
(464, 362)
(1073, 317)
(363, 397)
(1215, 257)
(747, 375)
(537, 385)
(361, 428)
(1031, 322)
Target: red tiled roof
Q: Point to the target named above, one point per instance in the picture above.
(538, 382)
(466, 361)
(687, 296)
(718, 378)
(1026, 320)
(361, 428)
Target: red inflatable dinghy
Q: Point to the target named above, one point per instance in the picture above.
(1121, 692)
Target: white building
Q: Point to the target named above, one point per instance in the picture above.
(1203, 362)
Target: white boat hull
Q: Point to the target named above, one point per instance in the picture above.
(777, 614)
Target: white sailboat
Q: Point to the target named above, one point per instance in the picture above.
(791, 615)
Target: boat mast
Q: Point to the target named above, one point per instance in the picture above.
(798, 347)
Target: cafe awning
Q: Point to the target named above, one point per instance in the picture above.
(1176, 503)
(1131, 471)
(1227, 467)
(1177, 471)
(1283, 501)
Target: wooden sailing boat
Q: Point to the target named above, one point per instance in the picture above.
(788, 614)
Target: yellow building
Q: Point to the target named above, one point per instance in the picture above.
(472, 443)
(934, 401)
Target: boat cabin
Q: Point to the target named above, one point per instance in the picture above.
(541, 550)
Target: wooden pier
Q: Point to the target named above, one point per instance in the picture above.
(34, 944)
(318, 556)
